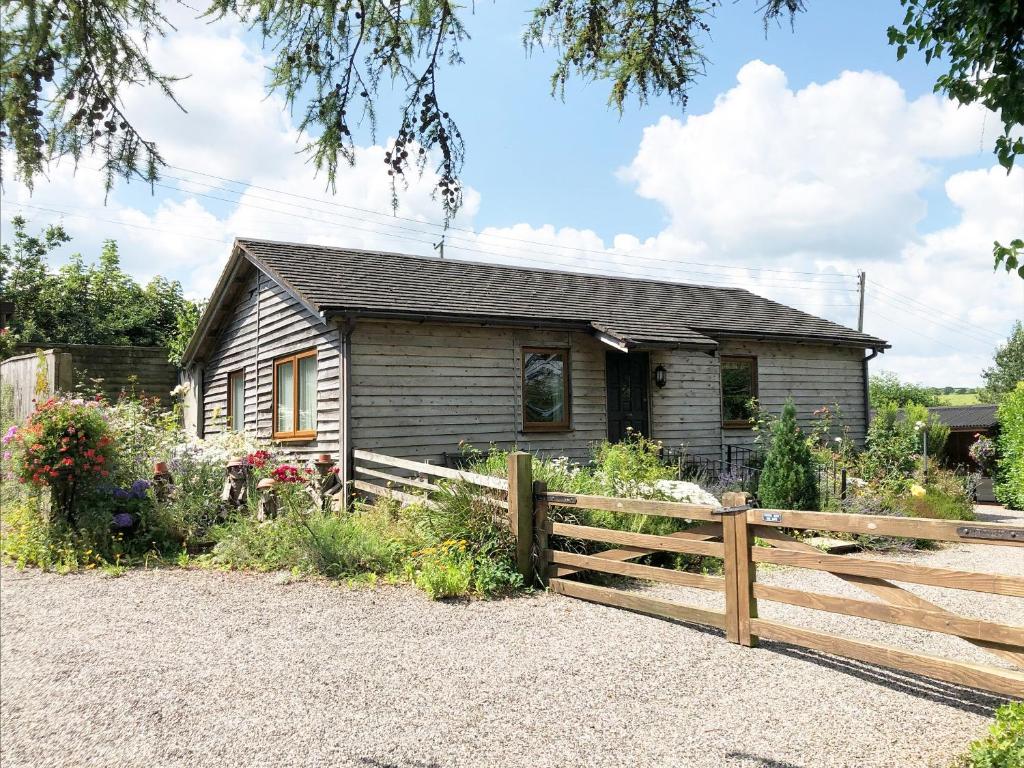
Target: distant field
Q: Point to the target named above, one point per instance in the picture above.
(970, 398)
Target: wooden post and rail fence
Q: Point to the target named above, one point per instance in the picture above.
(728, 534)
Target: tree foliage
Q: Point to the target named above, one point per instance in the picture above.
(1008, 368)
(66, 67)
(983, 43)
(1010, 476)
(788, 479)
(85, 303)
(886, 387)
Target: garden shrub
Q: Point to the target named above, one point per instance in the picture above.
(371, 539)
(890, 458)
(632, 468)
(938, 504)
(788, 479)
(1010, 476)
(64, 447)
(445, 570)
(917, 419)
(470, 544)
(1003, 746)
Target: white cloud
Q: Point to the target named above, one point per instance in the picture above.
(825, 180)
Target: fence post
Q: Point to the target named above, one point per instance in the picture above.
(740, 572)
(520, 509)
(540, 521)
(842, 488)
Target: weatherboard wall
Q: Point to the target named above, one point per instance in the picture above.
(265, 322)
(814, 376)
(421, 390)
(687, 412)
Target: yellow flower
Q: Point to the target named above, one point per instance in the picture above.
(917, 490)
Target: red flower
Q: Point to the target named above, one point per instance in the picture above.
(68, 462)
(53, 474)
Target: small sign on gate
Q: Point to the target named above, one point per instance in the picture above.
(771, 517)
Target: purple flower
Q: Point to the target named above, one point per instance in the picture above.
(123, 520)
(7, 455)
(11, 434)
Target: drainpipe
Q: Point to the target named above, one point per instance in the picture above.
(867, 392)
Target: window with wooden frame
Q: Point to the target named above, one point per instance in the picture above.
(545, 389)
(236, 401)
(739, 388)
(295, 396)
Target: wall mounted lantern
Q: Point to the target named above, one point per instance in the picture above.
(660, 376)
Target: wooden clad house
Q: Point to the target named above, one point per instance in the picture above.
(325, 349)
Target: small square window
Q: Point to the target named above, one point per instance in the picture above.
(739, 387)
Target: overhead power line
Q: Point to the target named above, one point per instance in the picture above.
(475, 233)
(930, 310)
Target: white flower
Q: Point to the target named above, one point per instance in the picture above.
(181, 390)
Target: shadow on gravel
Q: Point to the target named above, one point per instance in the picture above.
(949, 694)
(757, 760)
(996, 515)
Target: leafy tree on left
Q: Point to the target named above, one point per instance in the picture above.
(86, 303)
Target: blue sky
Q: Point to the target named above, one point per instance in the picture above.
(810, 152)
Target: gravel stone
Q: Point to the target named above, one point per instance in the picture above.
(190, 668)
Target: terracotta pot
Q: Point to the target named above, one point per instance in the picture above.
(324, 458)
(160, 468)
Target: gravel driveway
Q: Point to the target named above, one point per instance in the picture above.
(197, 668)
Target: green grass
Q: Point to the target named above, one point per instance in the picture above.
(966, 398)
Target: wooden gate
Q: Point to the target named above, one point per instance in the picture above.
(729, 534)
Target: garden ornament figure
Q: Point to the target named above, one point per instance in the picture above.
(236, 481)
(268, 499)
(163, 481)
(327, 484)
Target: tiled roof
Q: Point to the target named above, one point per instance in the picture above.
(966, 416)
(339, 280)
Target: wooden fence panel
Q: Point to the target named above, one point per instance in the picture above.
(995, 584)
(634, 602)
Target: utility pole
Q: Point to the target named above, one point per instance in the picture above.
(440, 246)
(861, 276)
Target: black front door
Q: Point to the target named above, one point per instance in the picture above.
(627, 393)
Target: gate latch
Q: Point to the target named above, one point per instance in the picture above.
(726, 510)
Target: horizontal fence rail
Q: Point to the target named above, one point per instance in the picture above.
(899, 527)
(496, 483)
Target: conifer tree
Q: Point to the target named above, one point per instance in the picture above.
(788, 480)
